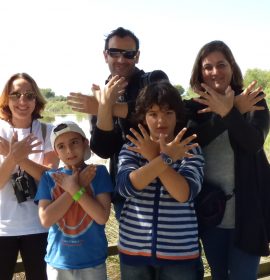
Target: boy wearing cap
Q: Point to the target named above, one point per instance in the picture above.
(76, 215)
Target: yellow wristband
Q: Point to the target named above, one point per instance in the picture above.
(79, 194)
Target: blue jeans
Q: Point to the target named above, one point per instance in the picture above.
(185, 271)
(225, 260)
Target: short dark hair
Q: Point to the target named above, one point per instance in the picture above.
(122, 32)
(163, 94)
(216, 46)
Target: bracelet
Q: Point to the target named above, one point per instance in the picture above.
(79, 194)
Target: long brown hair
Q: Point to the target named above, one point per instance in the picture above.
(216, 46)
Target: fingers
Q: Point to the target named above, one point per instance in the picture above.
(205, 96)
(205, 110)
(132, 140)
(255, 93)
(201, 101)
(113, 80)
(95, 87)
(208, 90)
(257, 108)
(249, 88)
(179, 136)
(162, 141)
(118, 84)
(14, 138)
(58, 177)
(143, 131)
(229, 91)
(133, 149)
(189, 139)
(136, 134)
(76, 97)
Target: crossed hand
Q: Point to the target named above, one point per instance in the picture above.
(221, 104)
(110, 93)
(247, 100)
(19, 150)
(149, 149)
(89, 104)
(70, 183)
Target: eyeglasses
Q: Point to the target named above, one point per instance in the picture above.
(113, 52)
(60, 127)
(30, 96)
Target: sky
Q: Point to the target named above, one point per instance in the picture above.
(60, 42)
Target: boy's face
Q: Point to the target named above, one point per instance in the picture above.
(70, 148)
(161, 121)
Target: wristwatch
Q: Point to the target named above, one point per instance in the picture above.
(168, 160)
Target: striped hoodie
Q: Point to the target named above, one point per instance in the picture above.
(154, 227)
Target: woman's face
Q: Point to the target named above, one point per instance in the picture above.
(216, 71)
(22, 101)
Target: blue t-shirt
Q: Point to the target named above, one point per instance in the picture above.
(76, 241)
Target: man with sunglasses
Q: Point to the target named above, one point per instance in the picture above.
(121, 53)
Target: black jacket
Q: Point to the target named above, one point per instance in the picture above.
(107, 144)
(247, 135)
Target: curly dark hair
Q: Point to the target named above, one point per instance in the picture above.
(163, 94)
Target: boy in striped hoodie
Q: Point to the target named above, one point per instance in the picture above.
(160, 173)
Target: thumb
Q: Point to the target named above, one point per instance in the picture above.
(229, 91)
(14, 138)
(162, 142)
(75, 171)
(95, 87)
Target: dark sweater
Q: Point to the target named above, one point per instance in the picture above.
(247, 134)
(107, 144)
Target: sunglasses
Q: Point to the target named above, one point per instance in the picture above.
(60, 127)
(30, 96)
(113, 52)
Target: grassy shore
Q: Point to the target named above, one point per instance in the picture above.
(112, 235)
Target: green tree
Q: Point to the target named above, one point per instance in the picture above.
(189, 94)
(47, 93)
(180, 89)
(261, 76)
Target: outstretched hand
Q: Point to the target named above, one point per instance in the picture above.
(144, 145)
(83, 103)
(220, 104)
(247, 100)
(87, 175)
(110, 93)
(19, 150)
(149, 149)
(69, 183)
(178, 148)
(4, 146)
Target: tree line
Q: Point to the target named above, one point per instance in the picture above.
(57, 103)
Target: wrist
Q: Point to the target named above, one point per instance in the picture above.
(166, 159)
(79, 194)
